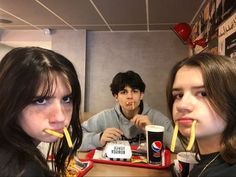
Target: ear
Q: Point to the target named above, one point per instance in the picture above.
(116, 97)
(141, 95)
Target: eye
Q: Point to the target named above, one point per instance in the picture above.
(136, 91)
(67, 99)
(123, 92)
(202, 94)
(40, 101)
(177, 95)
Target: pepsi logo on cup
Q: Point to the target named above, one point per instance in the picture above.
(157, 147)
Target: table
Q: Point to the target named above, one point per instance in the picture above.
(103, 170)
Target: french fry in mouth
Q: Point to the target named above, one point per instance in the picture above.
(174, 137)
(192, 136)
(131, 103)
(68, 139)
(54, 133)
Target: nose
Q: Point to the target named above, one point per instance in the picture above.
(186, 103)
(130, 94)
(57, 113)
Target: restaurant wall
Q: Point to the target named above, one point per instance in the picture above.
(151, 54)
(98, 56)
(70, 43)
(3, 50)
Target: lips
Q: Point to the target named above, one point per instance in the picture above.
(60, 130)
(185, 121)
(129, 103)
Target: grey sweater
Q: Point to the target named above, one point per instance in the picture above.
(113, 118)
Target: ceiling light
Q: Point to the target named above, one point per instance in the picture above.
(5, 21)
(47, 31)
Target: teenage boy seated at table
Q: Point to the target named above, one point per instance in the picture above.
(127, 119)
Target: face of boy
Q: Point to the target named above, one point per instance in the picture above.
(52, 112)
(129, 99)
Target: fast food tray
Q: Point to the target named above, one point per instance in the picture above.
(89, 165)
(90, 156)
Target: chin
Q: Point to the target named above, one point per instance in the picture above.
(185, 132)
(51, 140)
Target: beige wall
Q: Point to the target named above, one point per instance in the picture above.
(151, 54)
(98, 56)
(72, 44)
(69, 43)
(4, 49)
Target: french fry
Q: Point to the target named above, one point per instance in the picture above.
(68, 139)
(131, 103)
(174, 137)
(54, 133)
(192, 136)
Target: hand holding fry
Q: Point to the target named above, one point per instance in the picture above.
(141, 121)
(110, 134)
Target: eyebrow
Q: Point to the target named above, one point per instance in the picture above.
(68, 95)
(194, 88)
(51, 96)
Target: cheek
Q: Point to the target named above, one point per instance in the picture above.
(24, 118)
(214, 121)
(138, 96)
(29, 123)
(220, 124)
(174, 112)
(121, 101)
(68, 116)
(32, 118)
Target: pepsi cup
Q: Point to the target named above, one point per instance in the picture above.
(185, 162)
(154, 141)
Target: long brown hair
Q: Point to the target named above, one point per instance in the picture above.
(22, 71)
(219, 77)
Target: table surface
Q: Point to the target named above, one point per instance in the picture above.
(103, 170)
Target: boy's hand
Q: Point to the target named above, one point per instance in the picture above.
(110, 134)
(141, 121)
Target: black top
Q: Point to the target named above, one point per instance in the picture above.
(33, 169)
(15, 163)
(217, 168)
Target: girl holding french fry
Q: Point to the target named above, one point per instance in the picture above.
(201, 95)
(40, 101)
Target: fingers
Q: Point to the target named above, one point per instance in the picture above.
(110, 134)
(140, 121)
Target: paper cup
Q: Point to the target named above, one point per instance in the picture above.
(154, 141)
(186, 160)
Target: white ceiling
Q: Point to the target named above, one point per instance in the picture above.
(98, 15)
